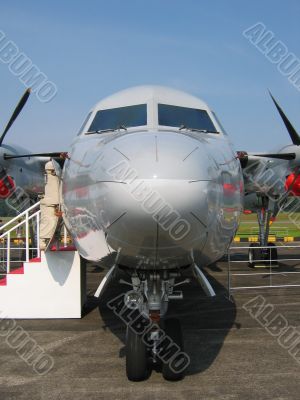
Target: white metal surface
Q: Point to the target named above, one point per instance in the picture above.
(50, 288)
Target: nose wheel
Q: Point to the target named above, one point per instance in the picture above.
(172, 328)
(139, 357)
(264, 257)
(254, 254)
(136, 357)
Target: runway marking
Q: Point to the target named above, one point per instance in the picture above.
(60, 342)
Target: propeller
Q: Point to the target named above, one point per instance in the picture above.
(16, 113)
(7, 184)
(243, 156)
(279, 156)
(291, 130)
(292, 179)
(14, 116)
(51, 155)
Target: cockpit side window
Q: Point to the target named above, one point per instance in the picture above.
(84, 123)
(190, 118)
(220, 125)
(115, 118)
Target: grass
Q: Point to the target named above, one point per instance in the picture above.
(285, 225)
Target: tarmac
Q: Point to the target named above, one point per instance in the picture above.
(233, 354)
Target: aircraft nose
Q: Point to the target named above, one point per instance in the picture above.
(167, 155)
(157, 193)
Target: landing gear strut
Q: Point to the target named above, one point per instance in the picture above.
(263, 253)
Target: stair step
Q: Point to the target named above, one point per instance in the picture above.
(35, 260)
(67, 248)
(3, 280)
(19, 270)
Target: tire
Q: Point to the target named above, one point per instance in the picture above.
(273, 252)
(136, 357)
(254, 254)
(172, 329)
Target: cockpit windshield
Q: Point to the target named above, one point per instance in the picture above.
(114, 118)
(190, 118)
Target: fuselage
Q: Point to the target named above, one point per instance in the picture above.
(159, 196)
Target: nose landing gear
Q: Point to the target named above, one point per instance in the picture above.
(262, 256)
(160, 344)
(263, 253)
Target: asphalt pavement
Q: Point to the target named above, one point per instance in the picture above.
(233, 354)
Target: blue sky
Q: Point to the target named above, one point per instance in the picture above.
(91, 49)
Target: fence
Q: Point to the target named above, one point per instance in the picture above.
(277, 271)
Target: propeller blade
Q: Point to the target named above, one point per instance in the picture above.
(279, 156)
(291, 130)
(15, 114)
(244, 157)
(51, 155)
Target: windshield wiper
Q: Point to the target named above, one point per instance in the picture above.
(122, 127)
(107, 130)
(196, 130)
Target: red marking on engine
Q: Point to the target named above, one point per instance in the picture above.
(7, 186)
(229, 188)
(247, 212)
(82, 192)
(292, 184)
